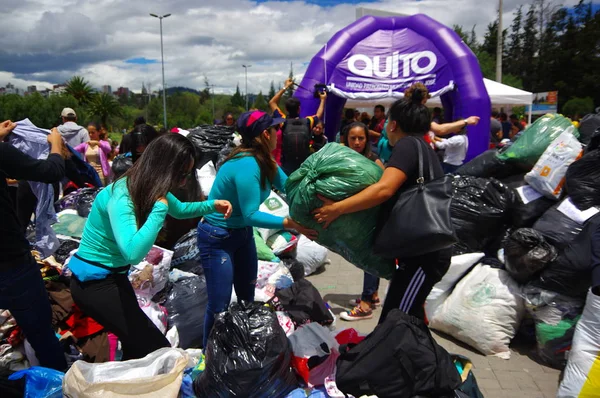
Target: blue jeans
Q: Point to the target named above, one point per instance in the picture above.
(370, 287)
(22, 292)
(228, 258)
(449, 168)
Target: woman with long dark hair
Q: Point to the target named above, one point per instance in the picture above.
(121, 229)
(227, 246)
(409, 120)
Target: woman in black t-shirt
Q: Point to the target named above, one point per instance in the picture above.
(415, 276)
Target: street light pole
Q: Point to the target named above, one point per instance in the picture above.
(162, 57)
(246, 68)
(213, 101)
(499, 45)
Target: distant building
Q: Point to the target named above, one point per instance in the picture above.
(46, 93)
(31, 89)
(122, 91)
(58, 89)
(107, 89)
(10, 89)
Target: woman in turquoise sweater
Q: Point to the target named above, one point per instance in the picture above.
(121, 229)
(227, 246)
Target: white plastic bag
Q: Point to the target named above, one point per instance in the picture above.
(158, 375)
(148, 279)
(276, 206)
(157, 313)
(311, 255)
(484, 310)
(459, 266)
(582, 375)
(206, 176)
(265, 270)
(548, 175)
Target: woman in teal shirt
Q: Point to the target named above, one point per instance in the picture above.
(227, 246)
(122, 226)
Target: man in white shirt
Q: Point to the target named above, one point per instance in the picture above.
(455, 149)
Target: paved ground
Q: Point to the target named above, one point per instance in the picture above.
(520, 376)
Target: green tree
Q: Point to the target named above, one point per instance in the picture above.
(205, 93)
(103, 106)
(528, 70)
(512, 63)
(272, 91)
(289, 93)
(260, 102)
(578, 106)
(237, 101)
(80, 89)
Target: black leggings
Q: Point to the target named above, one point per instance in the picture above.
(412, 282)
(113, 304)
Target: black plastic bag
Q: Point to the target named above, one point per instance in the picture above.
(121, 164)
(186, 306)
(526, 252)
(223, 154)
(555, 318)
(571, 273)
(247, 355)
(85, 200)
(588, 126)
(488, 165)
(209, 141)
(480, 212)
(583, 181)
(295, 267)
(186, 255)
(304, 304)
(524, 215)
(65, 249)
(558, 229)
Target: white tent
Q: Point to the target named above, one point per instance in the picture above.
(500, 94)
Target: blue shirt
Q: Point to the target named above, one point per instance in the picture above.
(238, 181)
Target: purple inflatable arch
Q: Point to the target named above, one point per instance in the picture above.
(377, 58)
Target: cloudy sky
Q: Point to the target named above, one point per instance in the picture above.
(115, 42)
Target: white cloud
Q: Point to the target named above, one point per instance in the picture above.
(56, 39)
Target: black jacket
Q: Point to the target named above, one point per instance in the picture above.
(19, 166)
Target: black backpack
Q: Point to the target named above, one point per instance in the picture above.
(399, 358)
(296, 144)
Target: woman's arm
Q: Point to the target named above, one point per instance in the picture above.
(182, 210)
(379, 163)
(280, 179)
(248, 189)
(455, 127)
(81, 148)
(133, 243)
(374, 195)
(105, 146)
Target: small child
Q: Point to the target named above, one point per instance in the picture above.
(319, 140)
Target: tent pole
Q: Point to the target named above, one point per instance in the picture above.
(529, 116)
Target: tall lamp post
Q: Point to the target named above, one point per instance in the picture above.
(162, 57)
(246, 68)
(212, 86)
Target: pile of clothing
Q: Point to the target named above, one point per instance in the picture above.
(525, 215)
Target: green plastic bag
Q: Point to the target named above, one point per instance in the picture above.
(263, 251)
(69, 224)
(530, 146)
(338, 172)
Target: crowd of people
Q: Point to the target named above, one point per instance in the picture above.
(127, 215)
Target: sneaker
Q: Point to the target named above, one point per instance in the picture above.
(355, 302)
(356, 314)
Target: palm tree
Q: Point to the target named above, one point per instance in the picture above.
(104, 106)
(81, 90)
